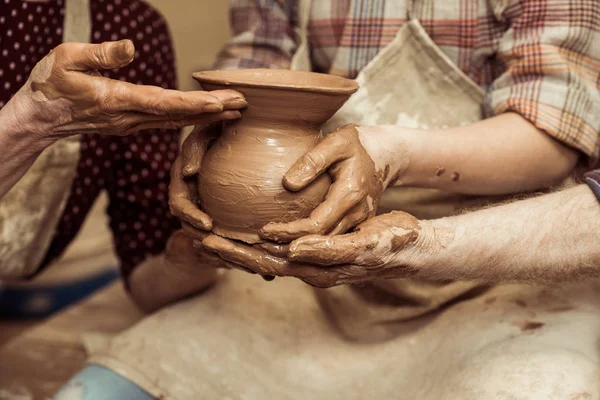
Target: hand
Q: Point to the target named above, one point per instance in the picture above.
(372, 251)
(353, 197)
(183, 190)
(184, 252)
(181, 271)
(65, 95)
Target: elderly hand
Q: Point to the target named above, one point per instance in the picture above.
(65, 95)
(373, 251)
(361, 167)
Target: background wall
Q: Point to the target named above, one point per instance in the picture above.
(199, 29)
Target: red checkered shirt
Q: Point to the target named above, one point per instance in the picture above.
(539, 58)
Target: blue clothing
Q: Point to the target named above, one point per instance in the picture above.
(98, 383)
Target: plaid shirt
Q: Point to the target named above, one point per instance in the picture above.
(539, 58)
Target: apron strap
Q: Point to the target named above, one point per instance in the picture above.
(301, 59)
(77, 24)
(410, 10)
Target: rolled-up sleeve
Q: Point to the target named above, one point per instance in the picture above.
(551, 56)
(263, 35)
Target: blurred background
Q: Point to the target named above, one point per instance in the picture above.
(199, 28)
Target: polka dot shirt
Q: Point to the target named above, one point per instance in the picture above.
(134, 170)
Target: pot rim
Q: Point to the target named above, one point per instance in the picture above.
(288, 79)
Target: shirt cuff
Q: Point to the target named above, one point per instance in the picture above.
(592, 178)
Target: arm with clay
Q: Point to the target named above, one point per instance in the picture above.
(66, 95)
(546, 239)
(545, 107)
(501, 155)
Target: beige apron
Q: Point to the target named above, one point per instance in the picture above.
(250, 339)
(427, 91)
(31, 210)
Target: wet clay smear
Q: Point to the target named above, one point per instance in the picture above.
(528, 325)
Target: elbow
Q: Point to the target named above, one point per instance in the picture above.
(561, 164)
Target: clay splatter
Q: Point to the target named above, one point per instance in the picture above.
(521, 303)
(528, 325)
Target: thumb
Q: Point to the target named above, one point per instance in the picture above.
(107, 55)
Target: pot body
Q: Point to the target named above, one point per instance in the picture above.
(240, 185)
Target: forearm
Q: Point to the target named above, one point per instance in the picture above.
(501, 155)
(19, 146)
(155, 283)
(551, 238)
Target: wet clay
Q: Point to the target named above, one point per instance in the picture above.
(240, 183)
(353, 197)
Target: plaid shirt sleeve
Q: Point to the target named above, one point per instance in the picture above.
(263, 35)
(552, 77)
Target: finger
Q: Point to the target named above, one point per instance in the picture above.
(192, 232)
(356, 216)
(276, 249)
(230, 99)
(246, 256)
(125, 96)
(195, 146)
(181, 201)
(315, 161)
(107, 55)
(140, 123)
(340, 199)
(330, 250)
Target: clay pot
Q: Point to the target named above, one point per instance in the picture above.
(240, 182)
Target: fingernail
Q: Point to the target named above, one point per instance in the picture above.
(125, 50)
(232, 115)
(237, 103)
(189, 170)
(213, 107)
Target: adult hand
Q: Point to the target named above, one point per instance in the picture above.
(183, 190)
(65, 95)
(373, 251)
(359, 179)
(181, 271)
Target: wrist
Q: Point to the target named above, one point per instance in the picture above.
(389, 147)
(20, 130)
(431, 254)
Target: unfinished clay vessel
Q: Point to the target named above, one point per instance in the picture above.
(240, 182)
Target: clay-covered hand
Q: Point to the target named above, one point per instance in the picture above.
(184, 251)
(183, 190)
(372, 251)
(65, 95)
(358, 183)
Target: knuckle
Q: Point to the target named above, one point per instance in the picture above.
(313, 161)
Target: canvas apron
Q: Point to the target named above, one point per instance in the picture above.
(251, 339)
(31, 210)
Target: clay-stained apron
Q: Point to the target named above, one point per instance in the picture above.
(31, 210)
(249, 339)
